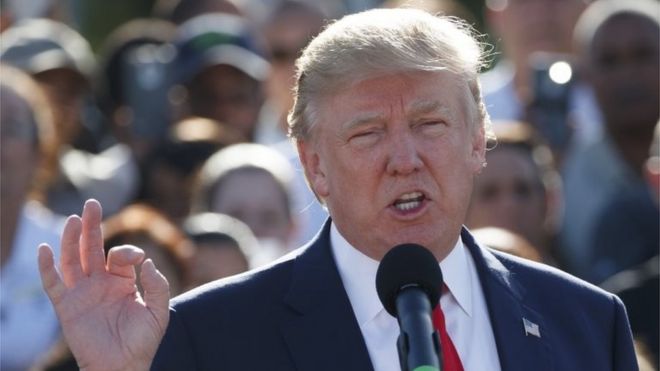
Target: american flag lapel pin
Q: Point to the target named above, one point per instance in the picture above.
(531, 328)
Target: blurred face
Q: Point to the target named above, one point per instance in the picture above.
(394, 159)
(65, 89)
(19, 154)
(508, 194)
(227, 95)
(286, 37)
(624, 71)
(215, 261)
(526, 26)
(167, 189)
(255, 198)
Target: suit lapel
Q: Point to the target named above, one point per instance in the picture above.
(322, 333)
(320, 329)
(518, 347)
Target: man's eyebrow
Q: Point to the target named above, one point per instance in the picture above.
(415, 109)
(362, 119)
(427, 106)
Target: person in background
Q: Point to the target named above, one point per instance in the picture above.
(27, 141)
(533, 32)
(252, 183)
(287, 29)
(131, 85)
(630, 219)
(223, 246)
(169, 171)
(639, 288)
(219, 71)
(12, 11)
(508, 242)
(520, 189)
(61, 61)
(445, 7)
(619, 47)
(627, 253)
(162, 241)
(179, 11)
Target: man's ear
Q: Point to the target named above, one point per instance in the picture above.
(478, 152)
(314, 168)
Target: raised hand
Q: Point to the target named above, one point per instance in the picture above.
(106, 322)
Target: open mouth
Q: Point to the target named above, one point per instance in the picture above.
(409, 202)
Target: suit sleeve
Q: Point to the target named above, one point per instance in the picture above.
(175, 351)
(624, 352)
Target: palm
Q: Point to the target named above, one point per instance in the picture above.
(106, 322)
(110, 306)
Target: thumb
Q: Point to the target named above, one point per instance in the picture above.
(156, 292)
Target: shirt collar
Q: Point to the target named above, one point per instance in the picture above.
(456, 275)
(358, 274)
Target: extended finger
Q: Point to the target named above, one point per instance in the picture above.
(50, 279)
(93, 257)
(72, 271)
(156, 292)
(123, 259)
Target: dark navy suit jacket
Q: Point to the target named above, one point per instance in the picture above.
(295, 315)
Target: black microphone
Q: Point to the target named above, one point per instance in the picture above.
(408, 283)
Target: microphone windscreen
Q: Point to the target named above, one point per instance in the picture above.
(407, 265)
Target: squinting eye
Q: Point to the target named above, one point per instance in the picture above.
(432, 126)
(364, 138)
(363, 134)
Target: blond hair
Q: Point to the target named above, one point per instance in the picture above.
(382, 41)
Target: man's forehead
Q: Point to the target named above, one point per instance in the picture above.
(413, 108)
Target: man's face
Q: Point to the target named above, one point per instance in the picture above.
(254, 197)
(227, 95)
(509, 194)
(19, 155)
(624, 71)
(394, 159)
(287, 35)
(526, 26)
(66, 91)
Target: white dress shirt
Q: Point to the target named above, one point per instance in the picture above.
(464, 306)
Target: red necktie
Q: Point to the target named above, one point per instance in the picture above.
(450, 359)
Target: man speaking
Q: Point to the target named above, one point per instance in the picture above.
(391, 131)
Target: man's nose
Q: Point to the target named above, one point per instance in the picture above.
(404, 157)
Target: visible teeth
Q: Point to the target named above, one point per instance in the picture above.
(409, 201)
(409, 205)
(410, 196)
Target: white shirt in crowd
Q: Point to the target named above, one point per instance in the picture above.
(27, 319)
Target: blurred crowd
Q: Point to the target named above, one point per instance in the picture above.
(177, 123)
